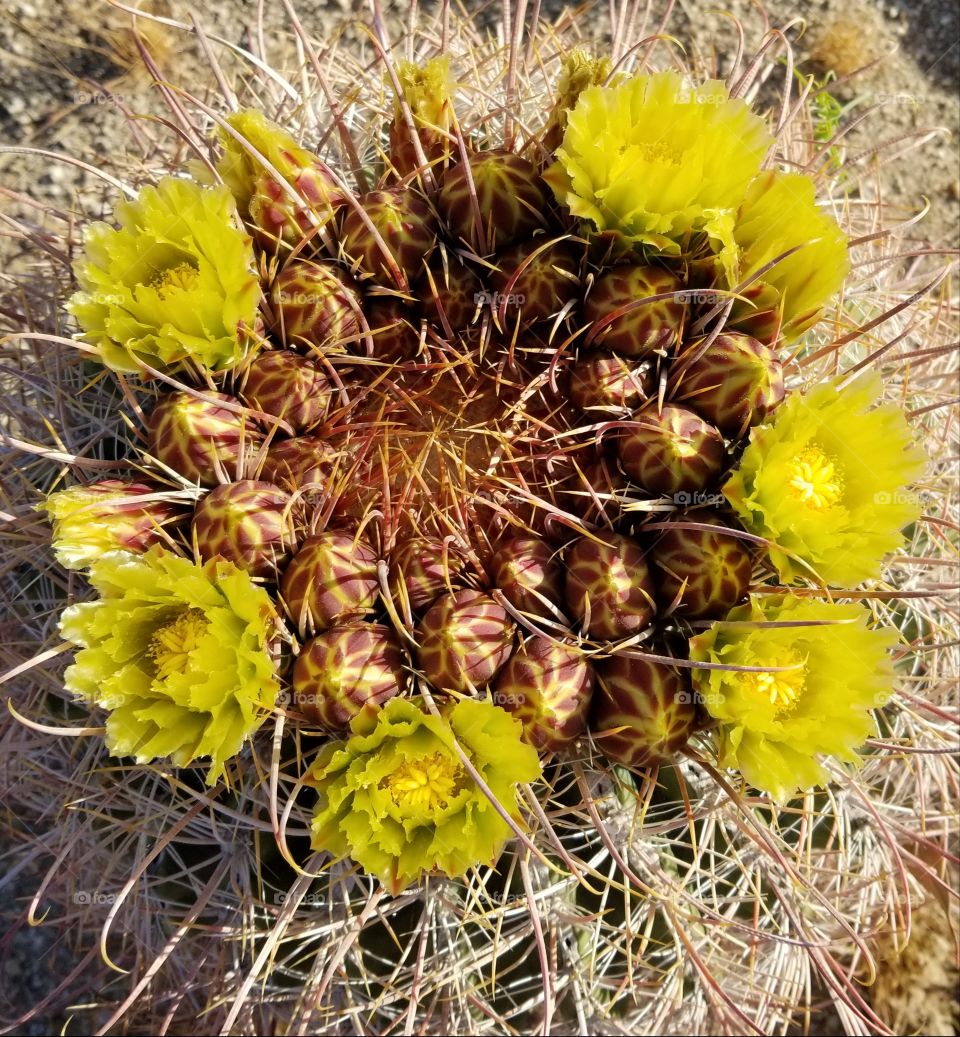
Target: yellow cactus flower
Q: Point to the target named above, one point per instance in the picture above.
(396, 797)
(110, 515)
(780, 213)
(177, 653)
(174, 283)
(824, 680)
(655, 159)
(826, 482)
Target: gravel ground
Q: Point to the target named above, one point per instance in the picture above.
(67, 76)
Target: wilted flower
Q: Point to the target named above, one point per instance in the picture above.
(825, 483)
(779, 214)
(174, 282)
(655, 159)
(396, 797)
(110, 515)
(824, 679)
(177, 653)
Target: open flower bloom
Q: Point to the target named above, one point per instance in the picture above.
(815, 699)
(177, 653)
(780, 213)
(396, 797)
(110, 515)
(174, 282)
(655, 159)
(825, 483)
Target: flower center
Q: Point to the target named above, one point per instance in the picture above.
(171, 645)
(658, 153)
(815, 479)
(425, 785)
(782, 688)
(181, 278)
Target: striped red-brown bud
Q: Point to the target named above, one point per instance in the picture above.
(293, 463)
(249, 523)
(315, 306)
(606, 381)
(609, 589)
(643, 711)
(331, 577)
(671, 451)
(547, 685)
(529, 573)
(345, 669)
(735, 384)
(288, 386)
(536, 282)
(423, 568)
(508, 196)
(408, 227)
(464, 639)
(705, 572)
(199, 438)
(642, 327)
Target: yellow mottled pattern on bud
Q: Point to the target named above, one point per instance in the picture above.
(332, 576)
(643, 710)
(249, 523)
(609, 590)
(463, 640)
(671, 451)
(315, 306)
(200, 438)
(604, 380)
(642, 328)
(510, 199)
(735, 384)
(345, 669)
(547, 686)
(701, 574)
(288, 386)
(407, 227)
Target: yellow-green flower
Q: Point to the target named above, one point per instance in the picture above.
(396, 798)
(825, 482)
(177, 653)
(815, 700)
(110, 515)
(780, 213)
(656, 158)
(174, 282)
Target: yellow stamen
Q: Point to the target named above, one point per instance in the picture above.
(182, 278)
(425, 785)
(171, 645)
(815, 479)
(658, 153)
(781, 688)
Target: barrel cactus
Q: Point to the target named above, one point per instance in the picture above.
(521, 621)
